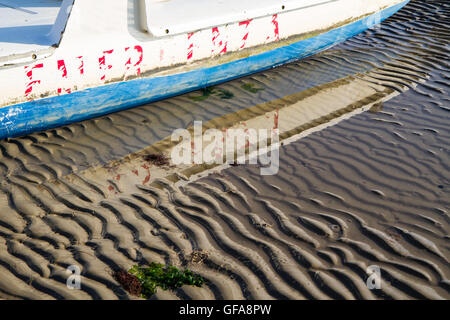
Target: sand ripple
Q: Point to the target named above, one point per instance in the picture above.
(370, 190)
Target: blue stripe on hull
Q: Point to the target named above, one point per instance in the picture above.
(51, 112)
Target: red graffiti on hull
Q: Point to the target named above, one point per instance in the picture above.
(132, 64)
(62, 68)
(140, 56)
(81, 66)
(219, 44)
(29, 74)
(276, 30)
(190, 52)
(275, 119)
(245, 23)
(102, 64)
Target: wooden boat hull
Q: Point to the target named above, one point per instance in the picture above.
(87, 84)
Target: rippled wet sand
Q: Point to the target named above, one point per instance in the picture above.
(370, 188)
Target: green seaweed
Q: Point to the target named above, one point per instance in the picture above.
(225, 94)
(158, 275)
(250, 87)
(207, 92)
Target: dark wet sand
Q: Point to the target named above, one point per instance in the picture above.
(372, 189)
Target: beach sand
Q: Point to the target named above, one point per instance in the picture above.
(363, 181)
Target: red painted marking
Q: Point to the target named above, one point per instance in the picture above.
(275, 119)
(129, 64)
(192, 148)
(218, 43)
(81, 66)
(224, 50)
(29, 73)
(62, 67)
(147, 178)
(247, 144)
(110, 188)
(135, 172)
(275, 25)
(244, 38)
(118, 177)
(190, 51)
(60, 90)
(102, 63)
(161, 54)
(225, 131)
(216, 33)
(141, 57)
(246, 22)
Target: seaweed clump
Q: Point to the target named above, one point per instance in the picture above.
(157, 159)
(128, 281)
(158, 275)
(209, 91)
(250, 87)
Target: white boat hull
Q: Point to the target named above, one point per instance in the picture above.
(110, 57)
